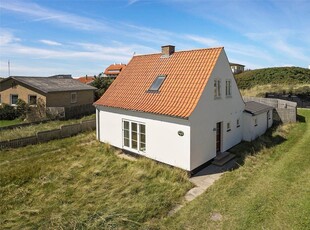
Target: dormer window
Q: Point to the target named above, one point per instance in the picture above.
(157, 83)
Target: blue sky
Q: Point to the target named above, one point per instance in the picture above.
(42, 38)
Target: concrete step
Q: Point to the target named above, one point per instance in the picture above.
(220, 156)
(222, 161)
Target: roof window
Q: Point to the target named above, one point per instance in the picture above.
(157, 83)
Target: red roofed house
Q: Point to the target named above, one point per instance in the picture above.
(114, 70)
(180, 108)
(86, 80)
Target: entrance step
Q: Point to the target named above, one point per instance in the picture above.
(222, 158)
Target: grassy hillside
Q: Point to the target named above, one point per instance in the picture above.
(270, 191)
(79, 183)
(275, 76)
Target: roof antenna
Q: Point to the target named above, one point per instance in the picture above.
(9, 69)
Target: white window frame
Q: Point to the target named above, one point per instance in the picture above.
(217, 88)
(32, 95)
(255, 121)
(11, 99)
(141, 146)
(238, 123)
(228, 127)
(74, 101)
(228, 88)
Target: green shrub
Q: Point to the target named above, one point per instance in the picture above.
(21, 109)
(7, 112)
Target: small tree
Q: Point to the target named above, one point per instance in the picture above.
(22, 108)
(102, 84)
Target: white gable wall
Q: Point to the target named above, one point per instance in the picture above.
(209, 111)
(162, 140)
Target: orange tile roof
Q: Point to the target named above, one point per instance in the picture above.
(85, 79)
(114, 67)
(187, 75)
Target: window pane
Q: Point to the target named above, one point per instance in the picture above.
(126, 142)
(142, 129)
(134, 144)
(142, 146)
(126, 125)
(142, 138)
(134, 127)
(14, 99)
(126, 133)
(32, 100)
(134, 136)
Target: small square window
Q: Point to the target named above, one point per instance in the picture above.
(157, 83)
(228, 126)
(14, 99)
(32, 99)
(73, 97)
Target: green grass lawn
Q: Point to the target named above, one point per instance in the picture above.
(10, 122)
(270, 191)
(79, 183)
(33, 129)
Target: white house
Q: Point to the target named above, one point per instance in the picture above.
(180, 108)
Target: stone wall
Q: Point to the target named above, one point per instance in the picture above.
(45, 136)
(285, 111)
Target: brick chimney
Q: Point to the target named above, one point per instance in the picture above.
(167, 50)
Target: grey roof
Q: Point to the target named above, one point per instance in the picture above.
(48, 85)
(256, 108)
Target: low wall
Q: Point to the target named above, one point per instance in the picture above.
(45, 136)
(285, 111)
(23, 124)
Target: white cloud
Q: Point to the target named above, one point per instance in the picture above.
(202, 40)
(40, 13)
(7, 37)
(50, 43)
(130, 2)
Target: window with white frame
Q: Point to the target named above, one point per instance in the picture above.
(217, 88)
(32, 99)
(238, 123)
(134, 135)
(228, 88)
(73, 97)
(13, 99)
(228, 126)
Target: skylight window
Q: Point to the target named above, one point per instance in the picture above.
(157, 83)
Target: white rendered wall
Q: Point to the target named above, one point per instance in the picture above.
(162, 140)
(250, 131)
(209, 111)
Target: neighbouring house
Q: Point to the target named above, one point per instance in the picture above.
(63, 96)
(114, 70)
(86, 80)
(180, 108)
(236, 68)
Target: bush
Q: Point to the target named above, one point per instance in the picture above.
(8, 112)
(22, 109)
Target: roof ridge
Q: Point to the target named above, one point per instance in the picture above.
(180, 51)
